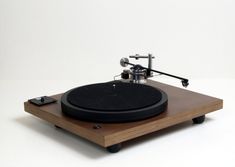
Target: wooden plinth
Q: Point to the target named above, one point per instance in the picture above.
(183, 105)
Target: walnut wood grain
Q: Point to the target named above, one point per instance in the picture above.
(183, 105)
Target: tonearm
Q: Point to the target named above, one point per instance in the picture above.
(138, 73)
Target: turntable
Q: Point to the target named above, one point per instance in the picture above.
(111, 113)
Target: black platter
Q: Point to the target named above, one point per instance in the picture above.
(114, 102)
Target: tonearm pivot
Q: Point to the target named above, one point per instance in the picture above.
(139, 74)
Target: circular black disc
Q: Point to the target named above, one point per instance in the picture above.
(114, 96)
(113, 102)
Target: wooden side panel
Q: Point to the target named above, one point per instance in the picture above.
(64, 122)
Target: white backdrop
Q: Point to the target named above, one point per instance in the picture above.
(50, 46)
(61, 39)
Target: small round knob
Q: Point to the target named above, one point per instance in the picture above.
(124, 61)
(42, 99)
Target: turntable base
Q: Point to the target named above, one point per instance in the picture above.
(183, 105)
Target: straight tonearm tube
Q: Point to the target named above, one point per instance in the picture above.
(138, 73)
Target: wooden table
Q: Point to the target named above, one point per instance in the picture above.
(183, 105)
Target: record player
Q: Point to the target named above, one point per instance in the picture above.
(111, 113)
